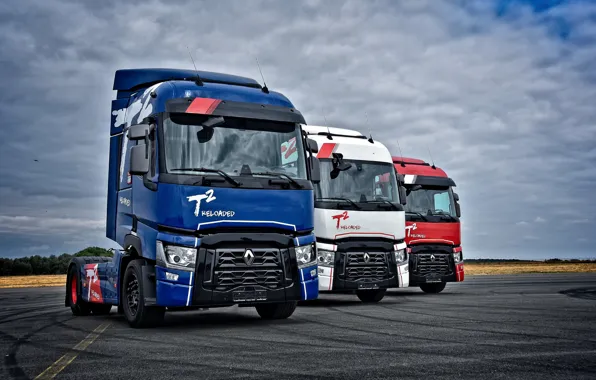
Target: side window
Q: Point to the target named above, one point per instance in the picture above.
(442, 201)
(125, 179)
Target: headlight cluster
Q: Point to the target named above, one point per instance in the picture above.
(177, 257)
(326, 258)
(458, 257)
(305, 255)
(400, 256)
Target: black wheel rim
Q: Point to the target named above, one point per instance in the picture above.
(132, 294)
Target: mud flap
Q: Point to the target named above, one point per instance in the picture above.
(149, 285)
(79, 263)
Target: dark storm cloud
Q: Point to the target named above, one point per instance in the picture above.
(505, 105)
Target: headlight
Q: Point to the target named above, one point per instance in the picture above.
(326, 258)
(458, 257)
(176, 257)
(305, 255)
(400, 256)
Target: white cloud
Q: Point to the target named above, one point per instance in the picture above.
(521, 223)
(503, 104)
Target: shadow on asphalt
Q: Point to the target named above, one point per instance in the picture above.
(583, 293)
(175, 320)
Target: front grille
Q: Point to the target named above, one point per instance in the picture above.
(358, 258)
(359, 269)
(232, 271)
(235, 257)
(366, 273)
(425, 264)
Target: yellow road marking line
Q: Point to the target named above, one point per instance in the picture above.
(68, 358)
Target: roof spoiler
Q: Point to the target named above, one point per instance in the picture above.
(132, 79)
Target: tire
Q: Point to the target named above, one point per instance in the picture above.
(100, 308)
(133, 304)
(276, 310)
(433, 288)
(77, 305)
(371, 296)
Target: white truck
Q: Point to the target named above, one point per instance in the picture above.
(359, 215)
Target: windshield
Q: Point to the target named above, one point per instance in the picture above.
(429, 200)
(237, 145)
(365, 181)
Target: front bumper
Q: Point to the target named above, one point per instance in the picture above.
(434, 264)
(329, 281)
(220, 279)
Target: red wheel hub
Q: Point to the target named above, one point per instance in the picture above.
(73, 289)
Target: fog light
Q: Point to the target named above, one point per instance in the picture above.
(171, 276)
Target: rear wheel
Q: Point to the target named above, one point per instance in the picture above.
(133, 304)
(276, 310)
(77, 305)
(433, 288)
(371, 296)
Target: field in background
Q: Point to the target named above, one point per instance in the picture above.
(33, 281)
(499, 267)
(471, 268)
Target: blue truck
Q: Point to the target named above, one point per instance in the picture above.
(209, 195)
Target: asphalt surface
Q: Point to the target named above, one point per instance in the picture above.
(497, 327)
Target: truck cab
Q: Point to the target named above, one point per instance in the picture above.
(433, 232)
(359, 216)
(210, 196)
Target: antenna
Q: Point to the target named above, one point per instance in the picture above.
(199, 82)
(370, 139)
(401, 155)
(264, 89)
(431, 158)
(327, 125)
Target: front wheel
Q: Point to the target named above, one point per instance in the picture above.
(276, 310)
(433, 288)
(371, 296)
(133, 303)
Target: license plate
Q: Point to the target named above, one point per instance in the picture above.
(368, 286)
(249, 295)
(433, 279)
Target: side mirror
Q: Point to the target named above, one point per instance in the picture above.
(456, 197)
(457, 210)
(315, 169)
(312, 146)
(139, 131)
(402, 195)
(139, 160)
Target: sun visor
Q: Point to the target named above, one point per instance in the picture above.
(218, 107)
(410, 179)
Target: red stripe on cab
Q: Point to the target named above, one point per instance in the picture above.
(204, 106)
(326, 150)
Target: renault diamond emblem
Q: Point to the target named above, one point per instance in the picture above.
(366, 257)
(432, 258)
(249, 257)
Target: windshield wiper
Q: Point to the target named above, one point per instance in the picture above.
(283, 175)
(393, 206)
(207, 170)
(418, 214)
(443, 213)
(341, 199)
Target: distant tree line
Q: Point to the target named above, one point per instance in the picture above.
(549, 261)
(53, 264)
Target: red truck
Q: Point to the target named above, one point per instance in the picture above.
(433, 232)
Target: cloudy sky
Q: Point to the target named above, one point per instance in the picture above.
(503, 92)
